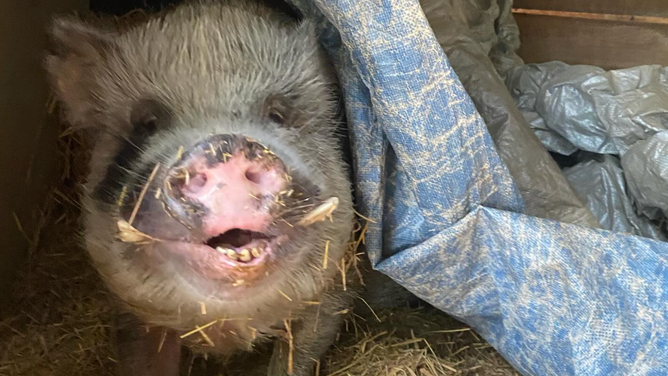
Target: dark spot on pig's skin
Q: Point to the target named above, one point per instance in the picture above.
(147, 116)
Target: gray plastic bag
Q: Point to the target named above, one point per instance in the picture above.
(646, 167)
(588, 108)
(600, 183)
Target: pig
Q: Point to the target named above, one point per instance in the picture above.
(217, 206)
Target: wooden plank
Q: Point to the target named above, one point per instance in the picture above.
(28, 139)
(608, 44)
(634, 7)
(594, 16)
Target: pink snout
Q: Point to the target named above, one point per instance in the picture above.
(234, 190)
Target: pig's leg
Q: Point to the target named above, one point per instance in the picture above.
(312, 336)
(142, 352)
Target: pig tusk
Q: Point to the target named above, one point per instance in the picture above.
(129, 234)
(320, 213)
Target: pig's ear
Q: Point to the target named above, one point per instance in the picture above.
(78, 51)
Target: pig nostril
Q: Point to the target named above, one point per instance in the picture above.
(195, 183)
(254, 176)
(198, 181)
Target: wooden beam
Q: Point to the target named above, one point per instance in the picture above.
(594, 16)
(607, 44)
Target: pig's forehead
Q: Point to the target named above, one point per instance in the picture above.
(226, 54)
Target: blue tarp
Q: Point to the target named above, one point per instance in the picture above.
(451, 225)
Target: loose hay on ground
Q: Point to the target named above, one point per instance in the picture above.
(412, 342)
(58, 321)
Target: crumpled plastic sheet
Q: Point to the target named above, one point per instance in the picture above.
(646, 168)
(600, 183)
(572, 108)
(450, 220)
(587, 108)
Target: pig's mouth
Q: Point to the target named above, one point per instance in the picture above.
(238, 257)
(243, 247)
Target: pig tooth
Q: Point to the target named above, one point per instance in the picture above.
(231, 254)
(255, 252)
(244, 255)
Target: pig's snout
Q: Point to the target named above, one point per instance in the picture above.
(226, 205)
(230, 182)
(227, 183)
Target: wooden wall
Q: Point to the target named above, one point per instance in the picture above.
(27, 137)
(635, 33)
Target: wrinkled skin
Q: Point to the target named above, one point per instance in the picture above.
(213, 89)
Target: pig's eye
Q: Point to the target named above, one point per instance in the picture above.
(276, 109)
(148, 125)
(146, 116)
(276, 116)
